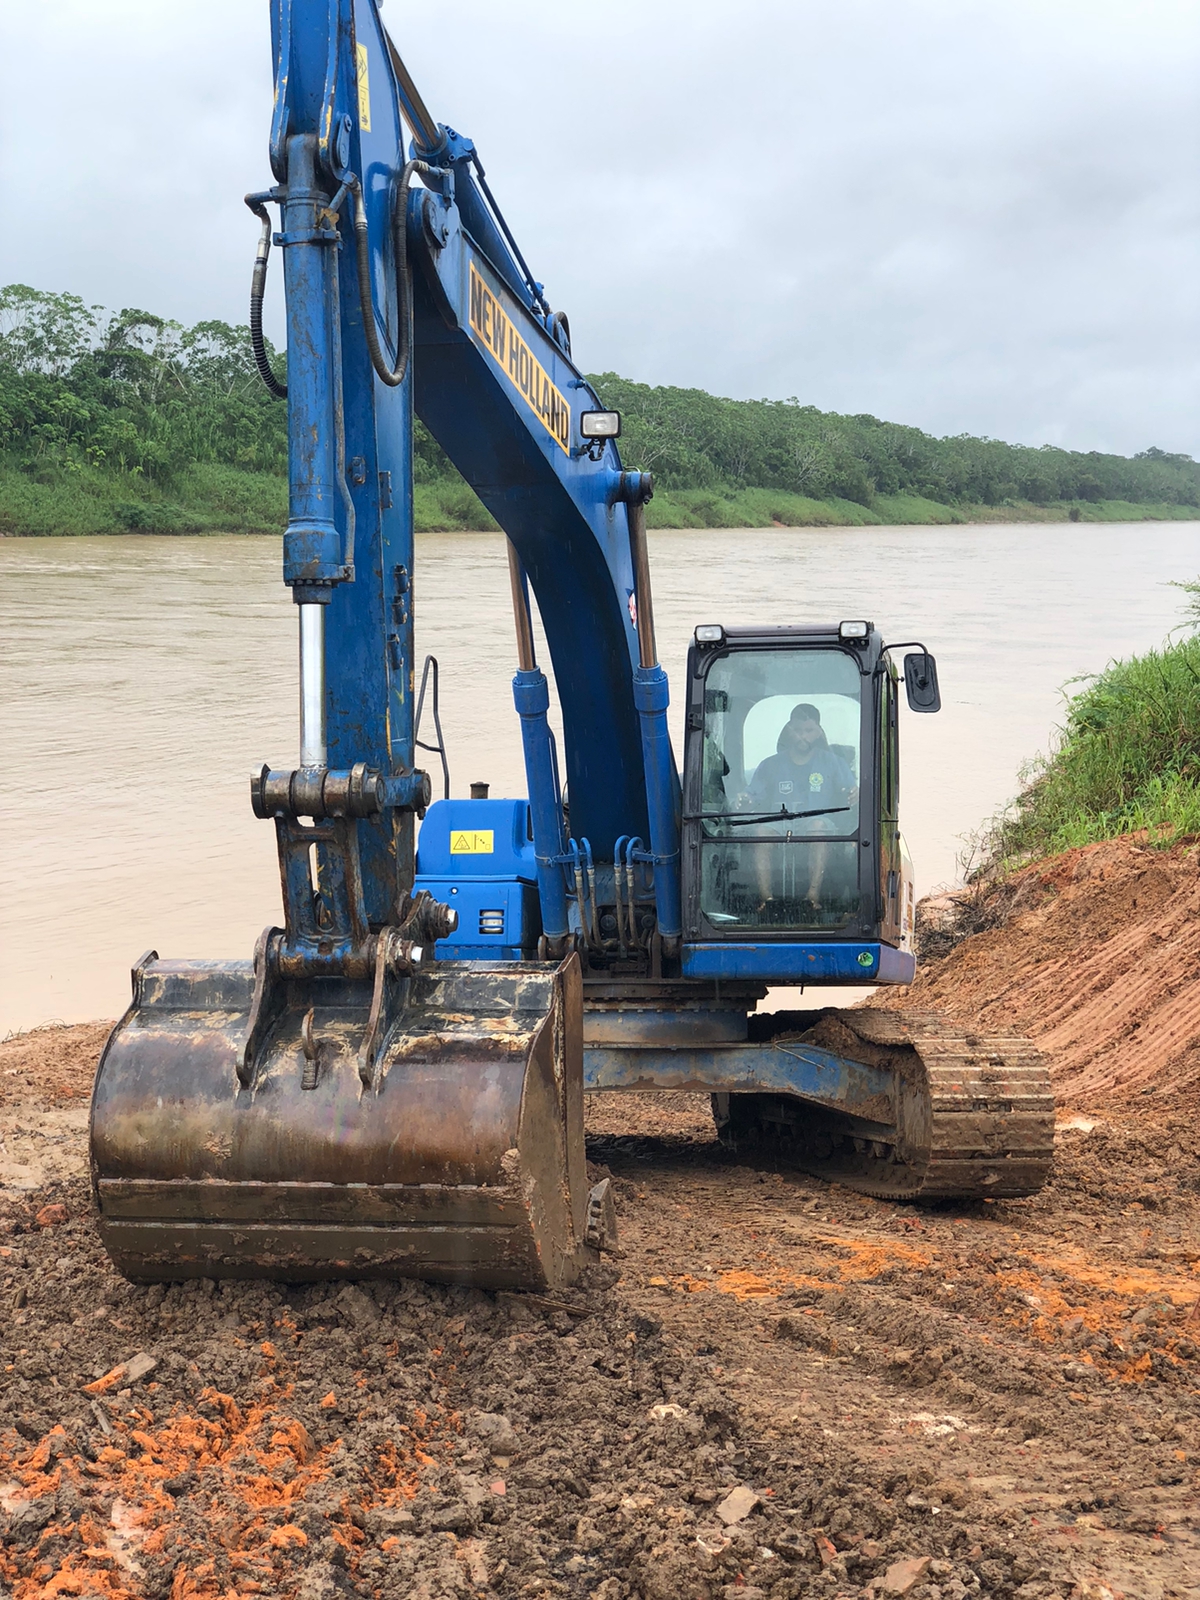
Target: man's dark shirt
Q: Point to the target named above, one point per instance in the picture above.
(823, 781)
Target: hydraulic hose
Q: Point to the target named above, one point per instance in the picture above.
(392, 376)
(258, 289)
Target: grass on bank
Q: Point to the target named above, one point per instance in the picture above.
(209, 497)
(204, 498)
(765, 508)
(1126, 760)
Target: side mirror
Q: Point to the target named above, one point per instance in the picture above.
(921, 682)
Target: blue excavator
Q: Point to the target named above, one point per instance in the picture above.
(394, 1084)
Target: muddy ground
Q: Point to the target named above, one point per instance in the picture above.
(990, 1400)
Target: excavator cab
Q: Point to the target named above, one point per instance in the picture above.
(791, 831)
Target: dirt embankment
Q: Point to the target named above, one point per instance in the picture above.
(1093, 954)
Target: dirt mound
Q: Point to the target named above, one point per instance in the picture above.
(56, 1063)
(1093, 954)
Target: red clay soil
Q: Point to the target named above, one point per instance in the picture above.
(1095, 956)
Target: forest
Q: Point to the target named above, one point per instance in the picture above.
(127, 421)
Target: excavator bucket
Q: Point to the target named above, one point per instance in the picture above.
(458, 1156)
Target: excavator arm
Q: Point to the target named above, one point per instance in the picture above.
(405, 286)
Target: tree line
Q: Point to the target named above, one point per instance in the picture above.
(129, 392)
(137, 399)
(693, 440)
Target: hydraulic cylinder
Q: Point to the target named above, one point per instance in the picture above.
(312, 546)
(531, 695)
(651, 697)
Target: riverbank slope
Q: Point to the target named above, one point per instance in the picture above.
(1093, 954)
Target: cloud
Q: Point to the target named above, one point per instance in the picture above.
(971, 217)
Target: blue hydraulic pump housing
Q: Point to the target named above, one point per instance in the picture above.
(477, 856)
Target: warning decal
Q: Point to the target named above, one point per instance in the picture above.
(472, 842)
(493, 327)
(364, 89)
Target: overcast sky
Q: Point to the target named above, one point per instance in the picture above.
(973, 217)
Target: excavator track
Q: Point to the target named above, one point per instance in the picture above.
(973, 1112)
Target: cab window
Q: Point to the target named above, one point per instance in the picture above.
(779, 789)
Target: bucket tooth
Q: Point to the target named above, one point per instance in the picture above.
(461, 1162)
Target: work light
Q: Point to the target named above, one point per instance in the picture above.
(600, 424)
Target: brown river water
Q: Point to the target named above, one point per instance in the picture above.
(143, 679)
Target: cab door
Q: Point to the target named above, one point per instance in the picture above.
(891, 875)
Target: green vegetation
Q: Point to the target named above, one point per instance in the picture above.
(731, 463)
(761, 508)
(117, 422)
(1127, 760)
(125, 421)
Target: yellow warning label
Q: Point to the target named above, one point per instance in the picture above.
(473, 842)
(364, 89)
(492, 325)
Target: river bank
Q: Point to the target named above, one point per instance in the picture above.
(1091, 953)
(211, 498)
(139, 424)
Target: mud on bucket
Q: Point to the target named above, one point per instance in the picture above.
(462, 1162)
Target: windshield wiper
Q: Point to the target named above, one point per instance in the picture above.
(783, 814)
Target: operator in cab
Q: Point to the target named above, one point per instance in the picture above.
(804, 775)
(808, 784)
